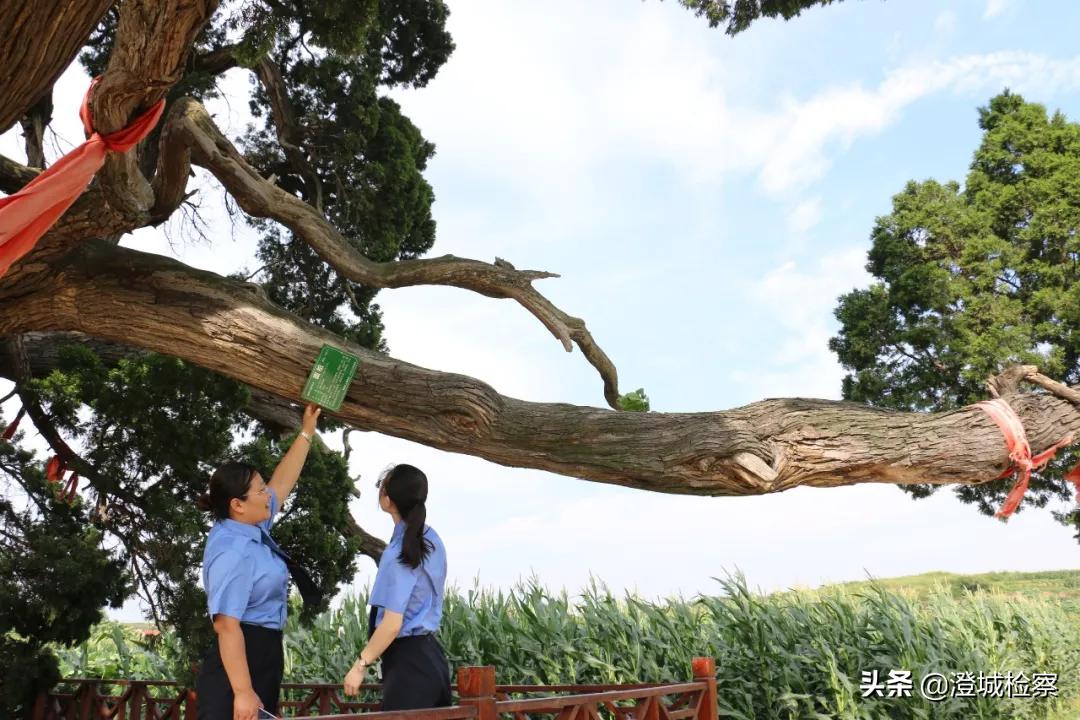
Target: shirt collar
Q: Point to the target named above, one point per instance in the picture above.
(253, 532)
(399, 531)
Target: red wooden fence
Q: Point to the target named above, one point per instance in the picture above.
(479, 698)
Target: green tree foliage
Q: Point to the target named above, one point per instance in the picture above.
(636, 401)
(737, 15)
(57, 578)
(973, 279)
(152, 428)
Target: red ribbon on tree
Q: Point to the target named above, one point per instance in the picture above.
(1073, 476)
(71, 489)
(9, 431)
(55, 469)
(1020, 453)
(29, 213)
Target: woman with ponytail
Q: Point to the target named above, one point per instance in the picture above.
(406, 602)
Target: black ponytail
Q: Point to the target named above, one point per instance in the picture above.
(231, 480)
(407, 488)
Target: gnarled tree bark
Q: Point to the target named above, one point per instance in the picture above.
(38, 40)
(153, 302)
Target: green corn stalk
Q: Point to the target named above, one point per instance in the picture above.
(789, 656)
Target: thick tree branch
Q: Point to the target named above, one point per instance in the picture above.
(1007, 384)
(33, 124)
(216, 61)
(288, 134)
(153, 302)
(14, 175)
(152, 47)
(38, 40)
(173, 168)
(1059, 389)
(42, 353)
(212, 150)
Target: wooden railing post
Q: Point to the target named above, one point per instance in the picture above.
(325, 695)
(705, 671)
(136, 699)
(191, 709)
(39, 705)
(476, 687)
(88, 703)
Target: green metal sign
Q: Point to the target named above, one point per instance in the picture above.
(330, 378)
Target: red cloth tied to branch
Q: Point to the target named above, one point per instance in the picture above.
(29, 213)
(9, 431)
(1020, 453)
(55, 469)
(1073, 476)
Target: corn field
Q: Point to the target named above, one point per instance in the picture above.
(786, 656)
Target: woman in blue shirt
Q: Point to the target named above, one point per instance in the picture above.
(406, 602)
(247, 585)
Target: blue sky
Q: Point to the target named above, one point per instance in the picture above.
(705, 200)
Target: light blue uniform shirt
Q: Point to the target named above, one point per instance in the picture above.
(415, 593)
(244, 578)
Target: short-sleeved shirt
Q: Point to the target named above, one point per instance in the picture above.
(416, 593)
(243, 577)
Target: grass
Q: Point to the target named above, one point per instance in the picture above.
(791, 655)
(1069, 712)
(1058, 586)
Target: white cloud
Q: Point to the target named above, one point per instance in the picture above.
(648, 88)
(994, 8)
(945, 22)
(805, 215)
(802, 298)
(806, 132)
(799, 302)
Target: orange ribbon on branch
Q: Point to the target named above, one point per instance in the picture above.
(71, 489)
(9, 431)
(29, 213)
(55, 469)
(1020, 453)
(1073, 476)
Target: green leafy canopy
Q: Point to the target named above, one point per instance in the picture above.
(973, 279)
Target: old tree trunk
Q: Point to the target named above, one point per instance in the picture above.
(78, 280)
